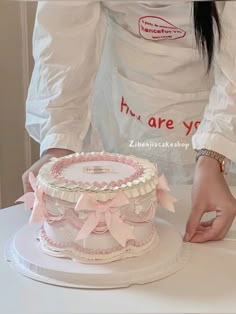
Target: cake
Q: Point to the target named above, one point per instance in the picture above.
(97, 207)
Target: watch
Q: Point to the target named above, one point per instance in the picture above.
(222, 160)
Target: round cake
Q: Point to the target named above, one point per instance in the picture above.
(98, 207)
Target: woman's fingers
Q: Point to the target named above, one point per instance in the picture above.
(207, 223)
(204, 225)
(192, 224)
(201, 228)
(217, 231)
(210, 193)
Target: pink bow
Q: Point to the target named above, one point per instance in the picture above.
(165, 199)
(117, 227)
(34, 200)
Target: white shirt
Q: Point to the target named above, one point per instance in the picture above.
(118, 75)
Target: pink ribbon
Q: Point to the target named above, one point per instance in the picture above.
(117, 227)
(165, 199)
(34, 200)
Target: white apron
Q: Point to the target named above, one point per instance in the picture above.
(151, 90)
(141, 106)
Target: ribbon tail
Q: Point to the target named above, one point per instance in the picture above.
(120, 230)
(28, 199)
(166, 200)
(32, 181)
(163, 184)
(38, 214)
(87, 228)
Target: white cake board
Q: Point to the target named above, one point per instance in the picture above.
(25, 256)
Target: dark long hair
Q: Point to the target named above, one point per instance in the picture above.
(206, 23)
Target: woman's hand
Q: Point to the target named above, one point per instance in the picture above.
(53, 152)
(210, 193)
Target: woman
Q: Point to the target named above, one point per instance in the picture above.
(161, 82)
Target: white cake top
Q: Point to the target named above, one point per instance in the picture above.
(113, 171)
(101, 174)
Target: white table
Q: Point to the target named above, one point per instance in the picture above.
(206, 285)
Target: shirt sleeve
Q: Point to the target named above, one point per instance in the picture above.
(217, 130)
(68, 42)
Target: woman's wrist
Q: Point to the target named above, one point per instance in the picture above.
(209, 163)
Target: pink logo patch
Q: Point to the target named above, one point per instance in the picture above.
(156, 28)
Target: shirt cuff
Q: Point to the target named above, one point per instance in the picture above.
(61, 140)
(216, 143)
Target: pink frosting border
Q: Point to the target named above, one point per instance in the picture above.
(68, 245)
(63, 162)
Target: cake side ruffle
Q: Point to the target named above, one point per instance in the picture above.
(92, 256)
